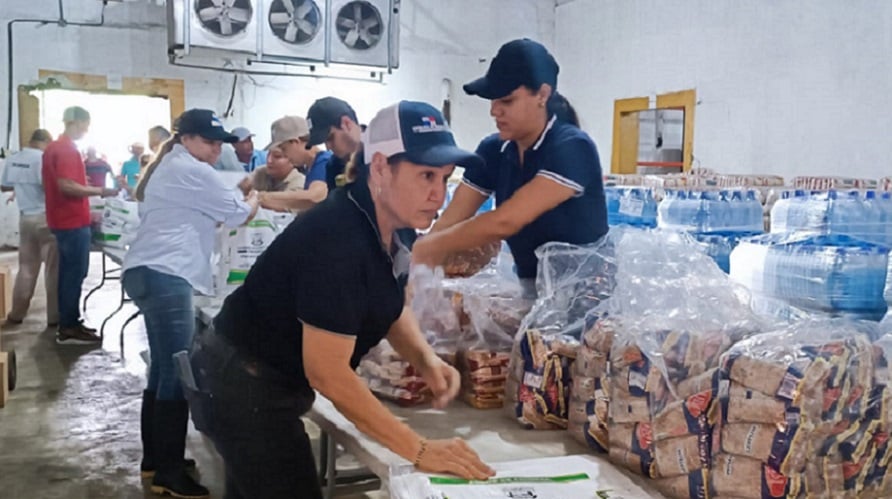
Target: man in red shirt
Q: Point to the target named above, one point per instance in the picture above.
(68, 216)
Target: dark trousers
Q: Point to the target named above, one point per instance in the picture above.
(254, 422)
(74, 263)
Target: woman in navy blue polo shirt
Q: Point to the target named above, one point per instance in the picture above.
(543, 170)
(317, 300)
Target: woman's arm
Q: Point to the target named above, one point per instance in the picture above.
(302, 199)
(326, 357)
(465, 203)
(535, 198)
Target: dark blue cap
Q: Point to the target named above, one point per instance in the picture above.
(205, 123)
(324, 114)
(419, 132)
(519, 63)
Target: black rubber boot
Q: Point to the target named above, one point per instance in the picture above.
(169, 433)
(147, 466)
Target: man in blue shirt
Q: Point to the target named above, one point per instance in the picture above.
(542, 168)
(249, 157)
(130, 168)
(333, 122)
(291, 134)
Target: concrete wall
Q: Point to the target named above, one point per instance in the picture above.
(439, 39)
(785, 86)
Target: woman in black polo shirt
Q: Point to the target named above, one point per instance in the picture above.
(543, 170)
(314, 303)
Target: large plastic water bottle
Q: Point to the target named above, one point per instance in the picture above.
(612, 195)
(887, 208)
(874, 219)
(755, 220)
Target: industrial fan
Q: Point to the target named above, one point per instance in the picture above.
(224, 18)
(295, 21)
(359, 25)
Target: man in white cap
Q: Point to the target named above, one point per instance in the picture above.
(249, 157)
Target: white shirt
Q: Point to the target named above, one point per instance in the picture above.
(185, 199)
(23, 173)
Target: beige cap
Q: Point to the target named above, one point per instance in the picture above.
(287, 128)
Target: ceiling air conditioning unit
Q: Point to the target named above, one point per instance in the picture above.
(229, 25)
(365, 32)
(294, 29)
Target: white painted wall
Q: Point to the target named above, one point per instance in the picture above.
(439, 39)
(785, 86)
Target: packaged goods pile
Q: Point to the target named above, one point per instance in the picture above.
(571, 281)
(863, 215)
(823, 183)
(803, 413)
(119, 223)
(392, 378)
(237, 249)
(827, 273)
(470, 262)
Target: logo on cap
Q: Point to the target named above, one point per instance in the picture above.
(309, 123)
(215, 121)
(429, 124)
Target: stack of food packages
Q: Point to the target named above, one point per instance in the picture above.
(495, 307)
(647, 369)
(805, 413)
(885, 184)
(685, 389)
(392, 378)
(839, 183)
(571, 281)
(387, 374)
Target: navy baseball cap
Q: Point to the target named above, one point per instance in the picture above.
(324, 114)
(518, 63)
(205, 123)
(418, 131)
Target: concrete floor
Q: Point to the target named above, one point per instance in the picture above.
(71, 428)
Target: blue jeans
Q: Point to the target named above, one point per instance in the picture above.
(74, 263)
(165, 302)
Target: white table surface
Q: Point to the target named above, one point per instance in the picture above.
(491, 433)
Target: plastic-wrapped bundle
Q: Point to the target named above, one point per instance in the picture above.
(495, 307)
(833, 183)
(437, 306)
(664, 352)
(829, 273)
(866, 216)
(711, 211)
(634, 206)
(800, 404)
(392, 378)
(571, 281)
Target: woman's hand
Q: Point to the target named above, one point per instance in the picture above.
(442, 379)
(453, 456)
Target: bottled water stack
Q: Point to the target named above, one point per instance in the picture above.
(726, 211)
(866, 216)
(633, 206)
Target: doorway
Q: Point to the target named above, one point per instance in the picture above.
(116, 120)
(654, 139)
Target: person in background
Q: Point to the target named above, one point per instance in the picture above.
(249, 157)
(37, 245)
(98, 169)
(228, 161)
(68, 216)
(543, 170)
(290, 135)
(278, 175)
(278, 338)
(334, 123)
(183, 200)
(157, 136)
(130, 169)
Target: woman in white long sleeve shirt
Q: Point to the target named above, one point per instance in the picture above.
(183, 200)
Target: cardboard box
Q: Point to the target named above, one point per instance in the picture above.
(4, 379)
(6, 280)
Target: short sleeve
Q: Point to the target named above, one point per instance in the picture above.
(317, 172)
(573, 162)
(329, 289)
(483, 178)
(4, 180)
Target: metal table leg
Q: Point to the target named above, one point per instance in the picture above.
(330, 466)
(128, 321)
(98, 286)
(120, 306)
